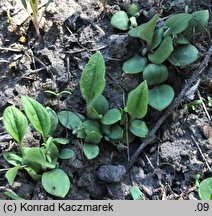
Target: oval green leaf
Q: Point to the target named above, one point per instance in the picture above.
(66, 154)
(155, 74)
(116, 132)
(93, 137)
(157, 38)
(179, 22)
(134, 65)
(160, 97)
(54, 120)
(91, 151)
(69, 119)
(120, 20)
(139, 128)
(11, 174)
(91, 125)
(184, 55)
(100, 104)
(205, 189)
(92, 82)
(37, 115)
(62, 141)
(12, 158)
(162, 52)
(15, 123)
(137, 101)
(56, 182)
(112, 116)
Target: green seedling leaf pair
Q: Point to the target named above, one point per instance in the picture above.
(124, 20)
(36, 161)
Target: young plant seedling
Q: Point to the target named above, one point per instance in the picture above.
(39, 162)
(33, 4)
(103, 122)
(169, 42)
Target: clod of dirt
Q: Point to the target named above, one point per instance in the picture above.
(110, 173)
(118, 45)
(173, 152)
(88, 180)
(23, 188)
(118, 191)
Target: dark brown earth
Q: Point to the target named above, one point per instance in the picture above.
(72, 31)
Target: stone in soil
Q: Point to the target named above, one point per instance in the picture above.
(111, 173)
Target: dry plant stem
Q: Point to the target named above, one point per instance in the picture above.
(200, 151)
(180, 99)
(203, 104)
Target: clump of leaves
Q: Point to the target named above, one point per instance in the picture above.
(33, 4)
(38, 162)
(169, 42)
(125, 20)
(103, 122)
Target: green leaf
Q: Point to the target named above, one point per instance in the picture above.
(53, 153)
(24, 4)
(54, 120)
(100, 104)
(155, 74)
(112, 116)
(13, 196)
(69, 119)
(90, 150)
(133, 10)
(198, 24)
(92, 82)
(12, 158)
(161, 97)
(116, 132)
(147, 32)
(11, 174)
(15, 123)
(120, 20)
(205, 189)
(32, 173)
(105, 129)
(178, 23)
(37, 115)
(35, 159)
(79, 132)
(157, 38)
(66, 154)
(62, 141)
(93, 137)
(135, 31)
(91, 125)
(184, 55)
(134, 65)
(137, 102)
(139, 128)
(56, 182)
(181, 40)
(162, 52)
(136, 193)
